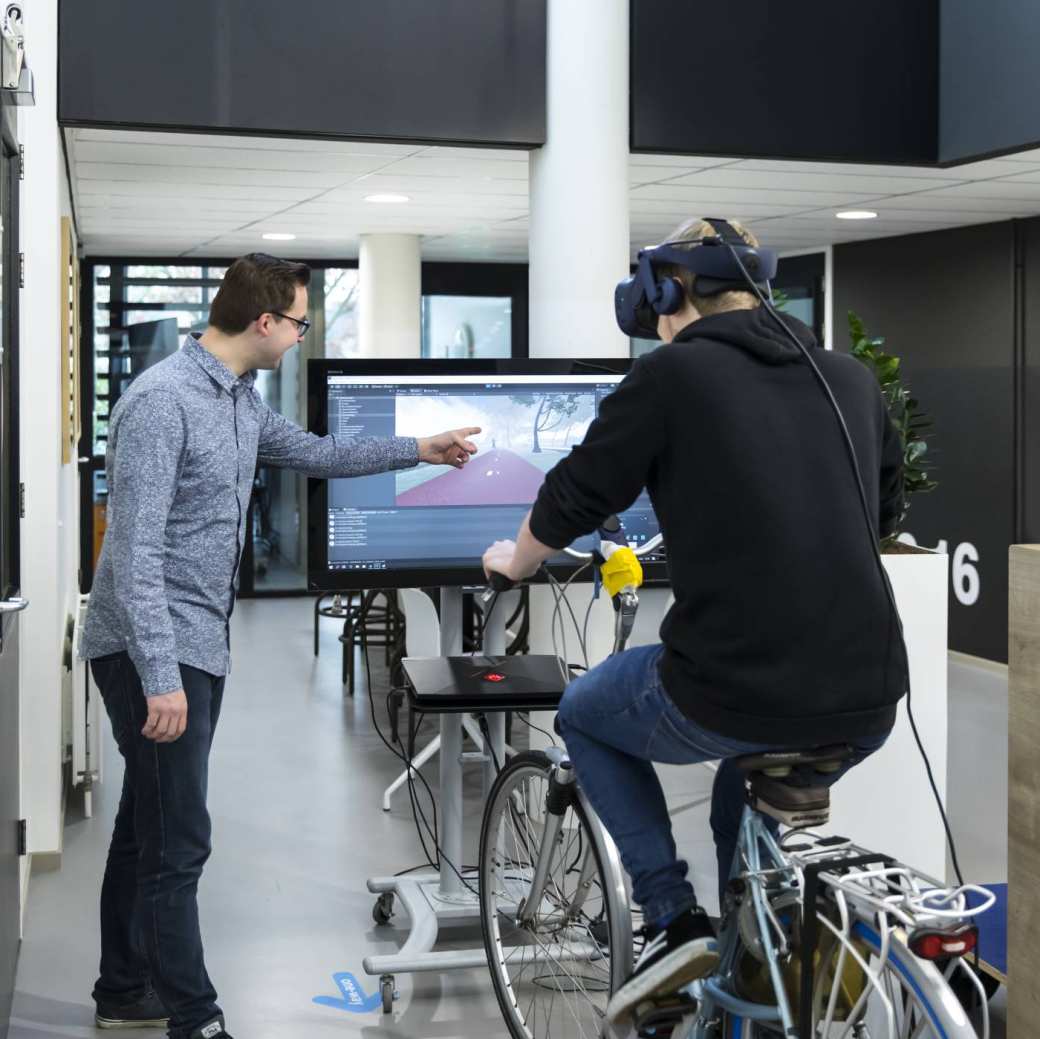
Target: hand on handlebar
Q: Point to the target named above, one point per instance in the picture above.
(499, 565)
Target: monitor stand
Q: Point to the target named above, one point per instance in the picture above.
(435, 899)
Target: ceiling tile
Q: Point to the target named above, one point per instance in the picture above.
(151, 174)
(835, 184)
(253, 158)
(714, 194)
(424, 166)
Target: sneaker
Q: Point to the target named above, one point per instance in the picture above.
(211, 1030)
(146, 1012)
(673, 957)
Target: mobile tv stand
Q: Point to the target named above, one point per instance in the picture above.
(431, 899)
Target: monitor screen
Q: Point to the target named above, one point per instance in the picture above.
(430, 525)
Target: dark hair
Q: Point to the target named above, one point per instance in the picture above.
(253, 285)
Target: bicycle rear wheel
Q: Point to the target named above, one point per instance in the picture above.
(856, 995)
(902, 997)
(554, 975)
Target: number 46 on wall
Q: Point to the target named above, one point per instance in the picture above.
(964, 574)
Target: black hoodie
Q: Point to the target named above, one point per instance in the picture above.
(781, 632)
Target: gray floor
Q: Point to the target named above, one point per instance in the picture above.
(296, 781)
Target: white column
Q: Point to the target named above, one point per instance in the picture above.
(390, 277)
(579, 236)
(49, 518)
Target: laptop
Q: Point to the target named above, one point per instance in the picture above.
(482, 683)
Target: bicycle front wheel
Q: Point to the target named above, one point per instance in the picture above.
(554, 975)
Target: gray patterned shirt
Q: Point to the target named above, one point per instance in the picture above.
(183, 445)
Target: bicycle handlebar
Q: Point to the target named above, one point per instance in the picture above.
(500, 583)
(637, 552)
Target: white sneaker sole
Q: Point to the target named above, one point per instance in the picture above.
(667, 976)
(112, 1022)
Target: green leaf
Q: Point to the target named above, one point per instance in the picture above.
(904, 409)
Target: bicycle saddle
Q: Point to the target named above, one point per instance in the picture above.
(782, 763)
(787, 785)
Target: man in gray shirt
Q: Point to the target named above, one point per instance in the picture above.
(184, 442)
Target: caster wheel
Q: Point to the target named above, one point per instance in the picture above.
(386, 990)
(383, 910)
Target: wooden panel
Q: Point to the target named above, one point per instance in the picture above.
(1023, 790)
(100, 525)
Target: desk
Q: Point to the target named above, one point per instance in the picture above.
(432, 899)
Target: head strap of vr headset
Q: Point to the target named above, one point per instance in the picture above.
(726, 232)
(679, 251)
(673, 251)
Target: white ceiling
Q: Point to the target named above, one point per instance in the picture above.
(152, 194)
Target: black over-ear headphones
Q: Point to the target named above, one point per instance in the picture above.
(721, 262)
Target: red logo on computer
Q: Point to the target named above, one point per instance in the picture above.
(494, 676)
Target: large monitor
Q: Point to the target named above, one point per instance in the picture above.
(430, 525)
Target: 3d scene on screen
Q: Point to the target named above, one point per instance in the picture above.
(523, 435)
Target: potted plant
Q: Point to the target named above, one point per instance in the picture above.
(910, 421)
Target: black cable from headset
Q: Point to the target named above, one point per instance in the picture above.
(875, 550)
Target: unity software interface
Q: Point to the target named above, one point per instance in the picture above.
(438, 516)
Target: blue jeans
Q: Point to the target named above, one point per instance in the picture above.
(616, 719)
(161, 840)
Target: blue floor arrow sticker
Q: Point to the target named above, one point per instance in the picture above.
(354, 1000)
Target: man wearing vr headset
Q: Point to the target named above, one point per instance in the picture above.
(782, 634)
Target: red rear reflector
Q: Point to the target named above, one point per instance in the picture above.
(494, 677)
(939, 945)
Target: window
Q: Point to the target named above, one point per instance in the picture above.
(467, 326)
(140, 314)
(339, 292)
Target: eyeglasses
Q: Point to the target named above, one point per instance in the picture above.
(301, 323)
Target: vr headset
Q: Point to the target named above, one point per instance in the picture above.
(640, 299)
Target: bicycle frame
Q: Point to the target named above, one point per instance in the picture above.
(758, 854)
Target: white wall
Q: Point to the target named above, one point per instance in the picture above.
(50, 530)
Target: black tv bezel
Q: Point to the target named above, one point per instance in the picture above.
(319, 577)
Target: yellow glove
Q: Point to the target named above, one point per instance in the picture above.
(621, 569)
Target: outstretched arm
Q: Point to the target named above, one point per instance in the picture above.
(285, 445)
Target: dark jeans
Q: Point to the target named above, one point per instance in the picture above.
(149, 913)
(616, 719)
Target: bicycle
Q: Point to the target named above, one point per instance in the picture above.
(818, 937)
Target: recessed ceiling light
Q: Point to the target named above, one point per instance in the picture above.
(857, 214)
(278, 236)
(387, 198)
